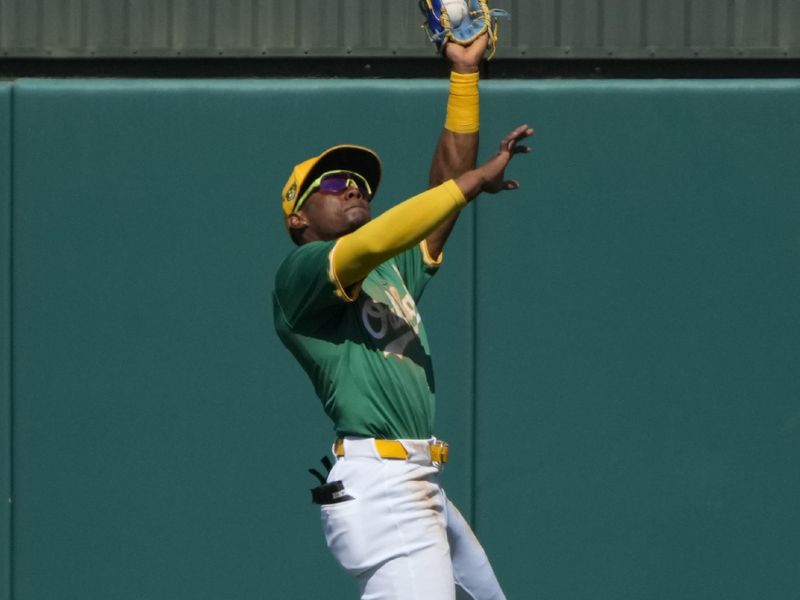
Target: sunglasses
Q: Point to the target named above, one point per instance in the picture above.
(335, 182)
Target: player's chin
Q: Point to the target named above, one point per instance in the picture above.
(356, 217)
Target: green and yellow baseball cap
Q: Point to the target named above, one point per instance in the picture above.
(357, 159)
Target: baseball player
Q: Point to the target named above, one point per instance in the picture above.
(345, 305)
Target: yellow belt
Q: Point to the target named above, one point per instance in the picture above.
(394, 449)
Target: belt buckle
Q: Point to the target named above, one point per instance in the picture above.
(443, 452)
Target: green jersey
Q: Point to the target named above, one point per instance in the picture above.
(368, 359)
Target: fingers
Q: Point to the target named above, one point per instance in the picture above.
(509, 147)
(521, 132)
(511, 184)
(510, 142)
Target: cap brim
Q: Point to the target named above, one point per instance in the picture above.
(346, 158)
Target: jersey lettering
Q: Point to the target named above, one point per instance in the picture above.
(373, 315)
(399, 320)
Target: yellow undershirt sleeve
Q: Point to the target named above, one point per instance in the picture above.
(398, 229)
(463, 103)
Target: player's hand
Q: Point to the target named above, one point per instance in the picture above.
(467, 59)
(490, 176)
(493, 170)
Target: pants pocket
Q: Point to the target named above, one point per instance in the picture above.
(343, 526)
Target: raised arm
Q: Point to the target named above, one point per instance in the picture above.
(457, 149)
(409, 222)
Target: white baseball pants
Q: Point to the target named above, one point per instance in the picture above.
(400, 536)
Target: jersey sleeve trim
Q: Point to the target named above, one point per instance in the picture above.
(339, 289)
(426, 255)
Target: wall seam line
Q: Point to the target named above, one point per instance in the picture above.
(10, 342)
(474, 378)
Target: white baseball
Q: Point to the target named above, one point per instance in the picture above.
(456, 10)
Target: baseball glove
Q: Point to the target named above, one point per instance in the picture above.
(460, 21)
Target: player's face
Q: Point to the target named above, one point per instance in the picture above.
(333, 214)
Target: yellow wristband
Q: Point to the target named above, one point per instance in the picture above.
(463, 108)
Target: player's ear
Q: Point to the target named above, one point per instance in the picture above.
(296, 222)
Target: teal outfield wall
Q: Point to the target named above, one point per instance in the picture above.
(616, 343)
(5, 339)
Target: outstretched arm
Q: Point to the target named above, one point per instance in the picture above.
(457, 149)
(414, 220)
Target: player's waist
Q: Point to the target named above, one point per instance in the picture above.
(418, 451)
